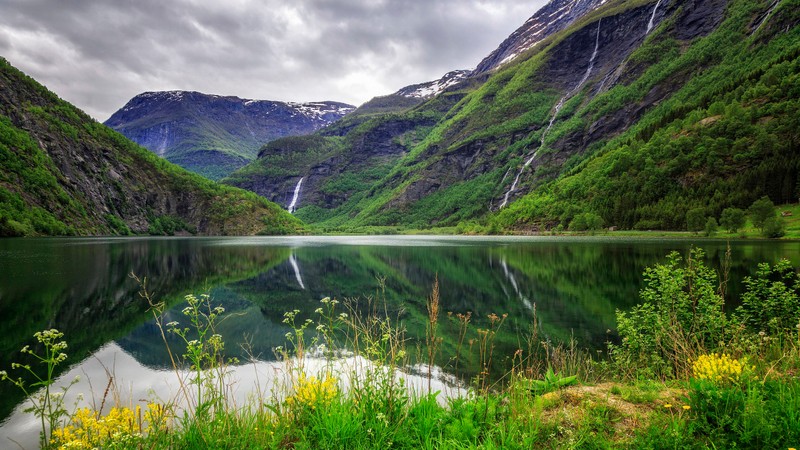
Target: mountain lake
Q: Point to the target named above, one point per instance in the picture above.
(565, 287)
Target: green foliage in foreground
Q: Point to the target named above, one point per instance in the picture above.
(714, 382)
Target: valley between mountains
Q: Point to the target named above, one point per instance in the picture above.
(629, 114)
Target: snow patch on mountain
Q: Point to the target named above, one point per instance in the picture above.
(550, 19)
(432, 88)
(325, 112)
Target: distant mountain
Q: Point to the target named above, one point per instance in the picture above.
(213, 135)
(412, 95)
(425, 91)
(62, 173)
(635, 111)
(552, 18)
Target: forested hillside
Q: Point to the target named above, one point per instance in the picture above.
(637, 112)
(729, 134)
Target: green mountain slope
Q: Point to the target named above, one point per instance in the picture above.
(65, 174)
(608, 116)
(727, 134)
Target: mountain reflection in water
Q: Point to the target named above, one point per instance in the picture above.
(83, 287)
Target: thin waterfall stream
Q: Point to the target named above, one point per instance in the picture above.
(652, 18)
(293, 205)
(553, 116)
(614, 74)
(766, 16)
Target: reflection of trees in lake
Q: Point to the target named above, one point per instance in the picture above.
(82, 287)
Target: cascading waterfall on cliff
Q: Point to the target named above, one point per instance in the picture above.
(652, 17)
(766, 16)
(293, 205)
(614, 73)
(558, 107)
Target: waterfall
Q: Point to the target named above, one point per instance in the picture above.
(652, 17)
(293, 262)
(591, 60)
(293, 205)
(614, 75)
(766, 16)
(516, 180)
(558, 107)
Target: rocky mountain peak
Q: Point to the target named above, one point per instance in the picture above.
(551, 18)
(430, 89)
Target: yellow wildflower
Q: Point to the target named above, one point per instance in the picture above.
(310, 391)
(668, 405)
(718, 368)
(686, 407)
(156, 416)
(87, 429)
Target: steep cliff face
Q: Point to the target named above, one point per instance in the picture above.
(214, 135)
(617, 77)
(63, 173)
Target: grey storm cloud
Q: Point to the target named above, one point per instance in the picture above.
(99, 54)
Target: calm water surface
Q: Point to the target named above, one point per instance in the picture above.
(83, 287)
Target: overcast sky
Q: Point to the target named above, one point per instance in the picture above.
(98, 54)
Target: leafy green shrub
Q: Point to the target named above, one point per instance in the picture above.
(11, 228)
(761, 210)
(680, 315)
(732, 219)
(771, 302)
(695, 219)
(168, 226)
(118, 225)
(711, 227)
(647, 225)
(774, 227)
(586, 222)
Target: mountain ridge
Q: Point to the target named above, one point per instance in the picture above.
(214, 134)
(548, 20)
(615, 75)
